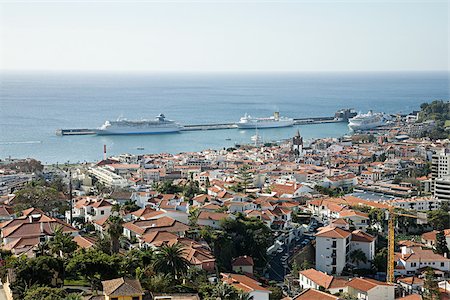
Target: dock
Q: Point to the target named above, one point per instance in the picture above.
(198, 127)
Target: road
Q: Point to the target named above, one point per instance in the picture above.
(276, 269)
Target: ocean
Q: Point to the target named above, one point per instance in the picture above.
(34, 105)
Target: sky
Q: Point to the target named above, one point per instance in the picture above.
(222, 36)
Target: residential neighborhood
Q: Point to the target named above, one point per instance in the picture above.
(358, 217)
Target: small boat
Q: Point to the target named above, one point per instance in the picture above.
(228, 139)
(140, 148)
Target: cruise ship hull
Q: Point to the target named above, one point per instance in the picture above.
(355, 126)
(261, 125)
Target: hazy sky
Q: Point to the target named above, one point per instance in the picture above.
(239, 36)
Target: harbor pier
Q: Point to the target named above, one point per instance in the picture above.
(212, 126)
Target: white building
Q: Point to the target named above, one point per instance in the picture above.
(107, 177)
(440, 164)
(370, 289)
(442, 188)
(332, 247)
(412, 259)
(247, 285)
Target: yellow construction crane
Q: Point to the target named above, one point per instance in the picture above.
(391, 241)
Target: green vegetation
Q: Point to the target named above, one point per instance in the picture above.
(441, 244)
(431, 286)
(438, 219)
(243, 236)
(439, 111)
(329, 191)
(47, 196)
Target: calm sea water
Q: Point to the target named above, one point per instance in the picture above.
(34, 105)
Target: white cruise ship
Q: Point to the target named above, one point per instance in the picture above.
(366, 121)
(123, 126)
(274, 121)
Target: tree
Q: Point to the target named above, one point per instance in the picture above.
(62, 243)
(277, 293)
(358, 256)
(42, 270)
(305, 265)
(167, 187)
(115, 230)
(380, 260)
(245, 177)
(44, 293)
(74, 297)
(430, 286)
(159, 283)
(94, 266)
(191, 188)
(438, 219)
(243, 236)
(441, 244)
(224, 292)
(42, 197)
(193, 216)
(170, 260)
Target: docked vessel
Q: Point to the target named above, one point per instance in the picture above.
(274, 121)
(123, 126)
(367, 121)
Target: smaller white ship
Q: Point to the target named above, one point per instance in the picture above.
(367, 121)
(275, 121)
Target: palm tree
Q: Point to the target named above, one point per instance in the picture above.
(62, 244)
(115, 230)
(193, 216)
(170, 260)
(225, 292)
(41, 249)
(244, 296)
(357, 256)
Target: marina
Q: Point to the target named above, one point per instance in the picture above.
(198, 127)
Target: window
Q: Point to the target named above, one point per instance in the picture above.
(114, 298)
(102, 212)
(135, 298)
(442, 264)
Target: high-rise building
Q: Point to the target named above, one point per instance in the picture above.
(440, 165)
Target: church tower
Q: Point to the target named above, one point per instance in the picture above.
(297, 144)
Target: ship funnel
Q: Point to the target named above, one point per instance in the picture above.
(276, 115)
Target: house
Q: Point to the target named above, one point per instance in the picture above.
(429, 238)
(22, 234)
(311, 294)
(85, 242)
(365, 242)
(6, 213)
(122, 289)
(212, 219)
(411, 284)
(140, 228)
(90, 209)
(335, 243)
(243, 264)
(332, 246)
(412, 260)
(356, 219)
(370, 289)
(247, 285)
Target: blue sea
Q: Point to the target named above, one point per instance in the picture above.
(34, 105)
